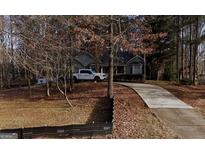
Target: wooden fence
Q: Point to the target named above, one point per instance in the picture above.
(57, 131)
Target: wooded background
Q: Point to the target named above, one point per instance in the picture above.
(44, 46)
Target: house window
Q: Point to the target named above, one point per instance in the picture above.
(136, 69)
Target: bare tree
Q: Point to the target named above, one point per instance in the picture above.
(195, 50)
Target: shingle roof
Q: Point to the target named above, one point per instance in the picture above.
(122, 58)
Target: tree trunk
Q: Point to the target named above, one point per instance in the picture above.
(71, 76)
(97, 66)
(19, 75)
(177, 51)
(67, 100)
(97, 60)
(1, 78)
(47, 78)
(71, 66)
(65, 86)
(47, 88)
(65, 78)
(190, 50)
(182, 51)
(158, 75)
(145, 72)
(29, 86)
(110, 77)
(195, 52)
(27, 77)
(12, 48)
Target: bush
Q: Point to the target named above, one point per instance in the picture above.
(128, 77)
(186, 81)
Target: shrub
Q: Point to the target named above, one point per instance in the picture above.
(186, 81)
(128, 77)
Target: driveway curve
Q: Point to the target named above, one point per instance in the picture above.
(179, 116)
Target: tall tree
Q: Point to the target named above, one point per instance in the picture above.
(190, 48)
(195, 49)
(110, 77)
(182, 47)
(177, 48)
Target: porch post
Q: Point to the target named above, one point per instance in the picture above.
(124, 70)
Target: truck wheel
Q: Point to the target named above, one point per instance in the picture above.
(75, 80)
(97, 79)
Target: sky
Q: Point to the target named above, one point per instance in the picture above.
(102, 7)
(99, 7)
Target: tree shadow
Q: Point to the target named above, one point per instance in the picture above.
(102, 112)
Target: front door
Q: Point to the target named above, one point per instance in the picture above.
(136, 69)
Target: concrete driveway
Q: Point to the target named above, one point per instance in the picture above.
(179, 116)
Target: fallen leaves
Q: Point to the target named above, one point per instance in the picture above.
(132, 119)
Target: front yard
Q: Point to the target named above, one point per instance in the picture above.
(132, 119)
(17, 109)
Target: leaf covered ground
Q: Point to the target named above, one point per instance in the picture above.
(131, 118)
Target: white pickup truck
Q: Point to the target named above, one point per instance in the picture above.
(88, 74)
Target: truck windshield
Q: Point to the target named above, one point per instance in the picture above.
(93, 71)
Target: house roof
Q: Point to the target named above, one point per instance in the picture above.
(85, 58)
(123, 58)
(135, 59)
